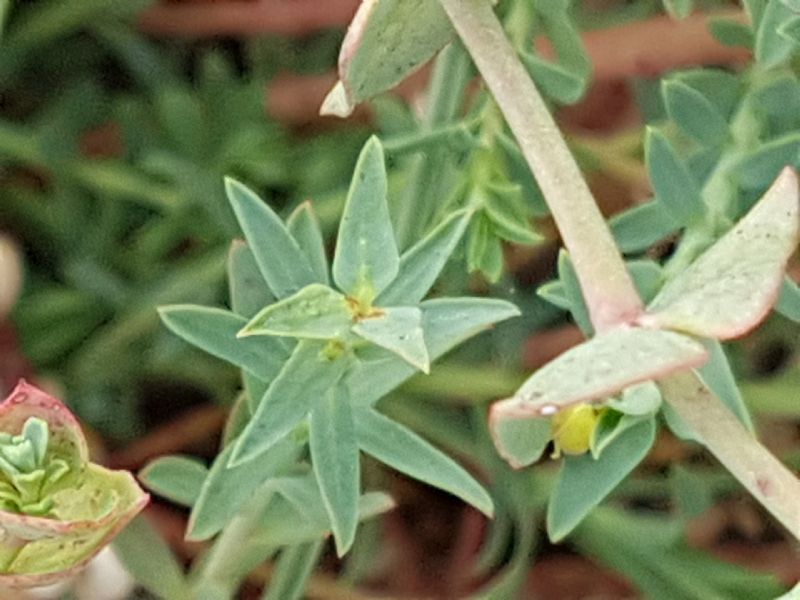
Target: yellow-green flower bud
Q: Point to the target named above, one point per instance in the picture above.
(572, 429)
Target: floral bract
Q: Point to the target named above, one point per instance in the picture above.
(57, 509)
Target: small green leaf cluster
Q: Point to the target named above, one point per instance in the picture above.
(318, 348)
(28, 472)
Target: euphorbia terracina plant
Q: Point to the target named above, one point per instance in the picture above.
(321, 344)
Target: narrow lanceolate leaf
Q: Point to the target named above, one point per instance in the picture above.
(642, 226)
(177, 478)
(283, 265)
(404, 450)
(521, 441)
(366, 258)
(294, 567)
(600, 368)
(731, 287)
(719, 378)
(399, 330)
(694, 113)
(386, 41)
(315, 312)
(248, 290)
(214, 331)
(334, 454)
(226, 489)
(584, 482)
(421, 264)
(304, 379)
(305, 229)
(675, 187)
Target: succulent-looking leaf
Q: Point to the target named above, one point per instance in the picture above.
(637, 400)
(386, 41)
(215, 331)
(226, 489)
(88, 507)
(521, 441)
(421, 264)
(282, 263)
(366, 258)
(609, 427)
(694, 113)
(404, 450)
(674, 185)
(584, 481)
(399, 330)
(599, 368)
(177, 478)
(248, 290)
(315, 312)
(732, 286)
(334, 454)
(304, 379)
(305, 229)
(642, 226)
(789, 300)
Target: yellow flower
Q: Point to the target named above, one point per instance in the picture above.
(572, 429)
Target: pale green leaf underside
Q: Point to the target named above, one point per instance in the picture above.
(404, 450)
(334, 453)
(584, 482)
(399, 330)
(386, 41)
(600, 368)
(366, 258)
(315, 312)
(731, 287)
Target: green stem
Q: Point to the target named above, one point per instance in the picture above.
(609, 291)
(769, 481)
(445, 96)
(606, 286)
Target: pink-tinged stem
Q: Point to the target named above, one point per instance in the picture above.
(769, 481)
(607, 287)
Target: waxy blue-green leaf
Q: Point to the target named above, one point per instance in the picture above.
(404, 450)
(315, 312)
(226, 489)
(303, 380)
(719, 378)
(305, 229)
(214, 331)
(334, 455)
(386, 41)
(282, 263)
(730, 32)
(601, 367)
(789, 300)
(642, 226)
(292, 571)
(732, 286)
(771, 47)
(366, 259)
(177, 478)
(674, 186)
(246, 286)
(421, 264)
(758, 168)
(149, 559)
(399, 330)
(572, 291)
(584, 482)
(521, 441)
(446, 323)
(556, 81)
(694, 113)
(790, 29)
(611, 425)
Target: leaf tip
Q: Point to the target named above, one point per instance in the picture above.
(337, 103)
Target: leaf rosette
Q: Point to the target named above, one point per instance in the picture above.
(57, 509)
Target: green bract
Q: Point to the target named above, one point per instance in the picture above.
(57, 510)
